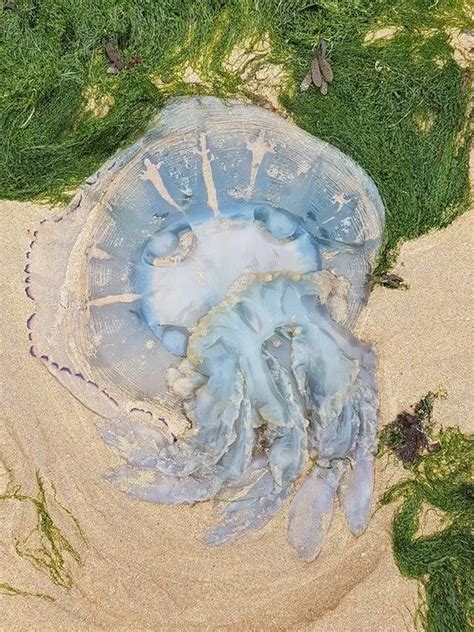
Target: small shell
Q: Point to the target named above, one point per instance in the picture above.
(326, 70)
(316, 72)
(307, 81)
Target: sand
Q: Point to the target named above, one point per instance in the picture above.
(145, 567)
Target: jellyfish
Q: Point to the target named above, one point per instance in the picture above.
(200, 294)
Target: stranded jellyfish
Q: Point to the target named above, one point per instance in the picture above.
(199, 294)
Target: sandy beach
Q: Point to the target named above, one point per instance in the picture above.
(145, 566)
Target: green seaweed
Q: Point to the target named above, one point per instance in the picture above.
(45, 547)
(441, 486)
(11, 591)
(52, 52)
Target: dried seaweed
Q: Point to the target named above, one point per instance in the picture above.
(409, 435)
(392, 281)
(114, 55)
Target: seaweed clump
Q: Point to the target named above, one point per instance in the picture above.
(45, 546)
(440, 486)
(409, 435)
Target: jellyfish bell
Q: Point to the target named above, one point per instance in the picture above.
(181, 286)
(199, 294)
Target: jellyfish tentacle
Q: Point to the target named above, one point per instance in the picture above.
(237, 460)
(343, 404)
(311, 509)
(287, 456)
(325, 377)
(215, 410)
(153, 486)
(137, 443)
(355, 492)
(356, 489)
(264, 392)
(320, 384)
(250, 512)
(289, 450)
(143, 479)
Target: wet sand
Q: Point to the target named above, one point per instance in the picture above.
(145, 567)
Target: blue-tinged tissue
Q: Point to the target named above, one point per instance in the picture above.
(200, 293)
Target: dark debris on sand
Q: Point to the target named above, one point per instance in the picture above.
(408, 437)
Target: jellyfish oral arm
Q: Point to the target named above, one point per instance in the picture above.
(308, 391)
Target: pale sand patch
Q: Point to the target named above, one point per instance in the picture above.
(267, 80)
(146, 568)
(463, 47)
(186, 73)
(262, 80)
(385, 33)
(96, 102)
(424, 121)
